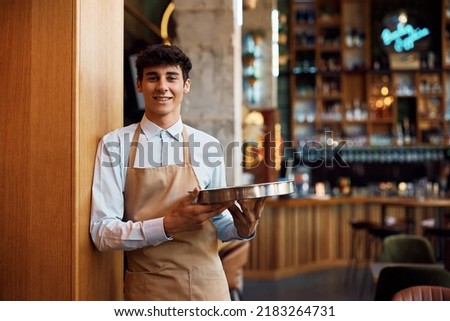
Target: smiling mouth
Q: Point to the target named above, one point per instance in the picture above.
(162, 98)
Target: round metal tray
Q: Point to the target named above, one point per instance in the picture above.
(231, 193)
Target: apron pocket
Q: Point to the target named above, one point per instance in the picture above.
(164, 286)
(209, 286)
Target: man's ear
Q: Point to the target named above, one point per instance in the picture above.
(187, 86)
(138, 86)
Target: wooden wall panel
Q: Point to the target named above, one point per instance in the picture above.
(50, 151)
(15, 96)
(99, 110)
(60, 90)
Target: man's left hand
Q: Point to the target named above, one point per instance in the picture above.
(246, 217)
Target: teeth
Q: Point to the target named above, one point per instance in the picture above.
(162, 98)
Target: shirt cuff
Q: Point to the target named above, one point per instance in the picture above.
(154, 231)
(248, 238)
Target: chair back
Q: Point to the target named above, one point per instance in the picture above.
(423, 293)
(407, 248)
(234, 257)
(395, 278)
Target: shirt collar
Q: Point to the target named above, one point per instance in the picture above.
(150, 129)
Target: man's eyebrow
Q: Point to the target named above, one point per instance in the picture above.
(148, 73)
(152, 73)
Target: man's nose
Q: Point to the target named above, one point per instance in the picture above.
(162, 86)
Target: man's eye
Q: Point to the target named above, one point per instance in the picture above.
(172, 78)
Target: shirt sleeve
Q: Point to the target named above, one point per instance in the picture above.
(226, 229)
(107, 228)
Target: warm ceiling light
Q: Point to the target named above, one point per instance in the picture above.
(402, 18)
(387, 101)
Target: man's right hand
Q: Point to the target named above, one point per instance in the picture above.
(188, 216)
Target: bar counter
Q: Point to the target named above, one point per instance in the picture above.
(306, 234)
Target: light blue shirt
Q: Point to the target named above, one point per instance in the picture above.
(156, 147)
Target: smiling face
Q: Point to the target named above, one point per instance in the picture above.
(163, 88)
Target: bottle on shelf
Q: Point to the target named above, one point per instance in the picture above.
(399, 135)
(407, 131)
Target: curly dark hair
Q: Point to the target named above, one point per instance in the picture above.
(161, 54)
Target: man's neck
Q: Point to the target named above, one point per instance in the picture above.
(164, 122)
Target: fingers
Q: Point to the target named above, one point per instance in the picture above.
(234, 210)
(200, 211)
(260, 203)
(249, 207)
(213, 208)
(205, 211)
(192, 195)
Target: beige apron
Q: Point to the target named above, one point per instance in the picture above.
(185, 268)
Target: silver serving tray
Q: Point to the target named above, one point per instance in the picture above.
(232, 193)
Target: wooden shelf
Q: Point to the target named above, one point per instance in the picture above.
(329, 21)
(407, 95)
(381, 121)
(305, 47)
(330, 48)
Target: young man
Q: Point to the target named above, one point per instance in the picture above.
(147, 177)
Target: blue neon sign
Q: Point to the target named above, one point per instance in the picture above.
(404, 37)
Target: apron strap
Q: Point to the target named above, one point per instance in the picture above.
(186, 154)
(135, 142)
(133, 147)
